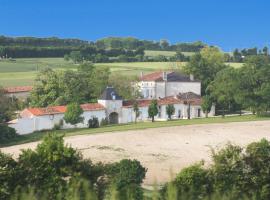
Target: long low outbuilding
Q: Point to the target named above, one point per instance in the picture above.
(110, 107)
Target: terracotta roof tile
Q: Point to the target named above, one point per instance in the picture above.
(18, 89)
(183, 98)
(59, 109)
(171, 77)
(156, 76)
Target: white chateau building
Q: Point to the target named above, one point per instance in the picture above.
(168, 88)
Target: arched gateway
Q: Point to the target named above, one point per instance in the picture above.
(113, 118)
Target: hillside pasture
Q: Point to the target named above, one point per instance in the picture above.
(165, 53)
(19, 72)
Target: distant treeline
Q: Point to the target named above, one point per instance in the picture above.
(133, 43)
(26, 47)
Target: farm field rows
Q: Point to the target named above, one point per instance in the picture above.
(21, 72)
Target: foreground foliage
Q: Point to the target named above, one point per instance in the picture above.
(236, 173)
(54, 171)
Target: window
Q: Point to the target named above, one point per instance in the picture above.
(146, 93)
(199, 112)
(159, 111)
(179, 114)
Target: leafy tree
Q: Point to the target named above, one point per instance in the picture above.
(194, 180)
(265, 51)
(73, 86)
(46, 89)
(76, 56)
(73, 114)
(164, 44)
(170, 110)
(8, 175)
(205, 65)
(237, 56)
(206, 104)
(47, 168)
(6, 107)
(224, 87)
(136, 110)
(153, 109)
(64, 87)
(6, 133)
(235, 173)
(254, 86)
(124, 85)
(127, 176)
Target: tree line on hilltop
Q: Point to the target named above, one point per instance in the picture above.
(110, 49)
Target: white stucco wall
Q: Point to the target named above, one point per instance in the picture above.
(174, 88)
(28, 125)
(155, 90)
(147, 89)
(23, 126)
(113, 106)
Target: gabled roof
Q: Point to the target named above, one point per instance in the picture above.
(183, 98)
(110, 94)
(59, 109)
(171, 77)
(18, 89)
(188, 96)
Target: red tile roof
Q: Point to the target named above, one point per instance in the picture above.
(59, 109)
(195, 100)
(171, 77)
(141, 103)
(18, 89)
(156, 76)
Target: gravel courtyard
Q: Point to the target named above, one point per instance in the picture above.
(164, 151)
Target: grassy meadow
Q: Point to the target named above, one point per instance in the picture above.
(165, 53)
(20, 72)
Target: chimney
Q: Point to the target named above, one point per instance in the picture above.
(165, 76)
(191, 77)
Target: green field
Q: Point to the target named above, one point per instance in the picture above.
(165, 53)
(23, 71)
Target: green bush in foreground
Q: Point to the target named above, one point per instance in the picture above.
(6, 133)
(55, 171)
(235, 174)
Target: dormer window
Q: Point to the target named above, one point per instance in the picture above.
(113, 96)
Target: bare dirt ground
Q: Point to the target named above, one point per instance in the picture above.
(163, 151)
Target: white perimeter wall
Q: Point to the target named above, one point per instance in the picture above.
(47, 122)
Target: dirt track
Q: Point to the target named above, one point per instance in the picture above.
(162, 150)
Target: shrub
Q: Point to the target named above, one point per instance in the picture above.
(6, 133)
(59, 125)
(93, 123)
(104, 122)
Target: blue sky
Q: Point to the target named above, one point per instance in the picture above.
(226, 23)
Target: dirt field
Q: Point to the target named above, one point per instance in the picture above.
(164, 151)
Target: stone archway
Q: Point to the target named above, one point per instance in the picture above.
(113, 118)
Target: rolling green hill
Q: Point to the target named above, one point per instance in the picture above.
(22, 71)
